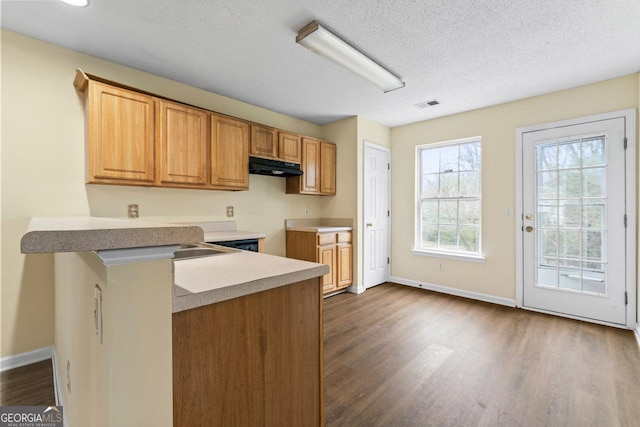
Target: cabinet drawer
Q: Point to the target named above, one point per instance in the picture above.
(344, 237)
(326, 238)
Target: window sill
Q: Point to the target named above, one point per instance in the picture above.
(481, 259)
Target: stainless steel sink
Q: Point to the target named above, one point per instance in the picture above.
(199, 250)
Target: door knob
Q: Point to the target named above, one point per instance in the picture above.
(529, 228)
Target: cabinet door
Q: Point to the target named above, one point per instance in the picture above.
(229, 153)
(327, 256)
(182, 144)
(264, 142)
(121, 136)
(344, 269)
(289, 147)
(327, 168)
(310, 166)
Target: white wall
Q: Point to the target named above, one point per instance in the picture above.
(497, 127)
(43, 174)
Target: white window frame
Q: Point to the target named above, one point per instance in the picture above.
(442, 253)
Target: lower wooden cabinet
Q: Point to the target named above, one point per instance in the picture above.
(330, 248)
(255, 360)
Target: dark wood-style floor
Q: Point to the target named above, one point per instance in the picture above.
(401, 356)
(30, 385)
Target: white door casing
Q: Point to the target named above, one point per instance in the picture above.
(376, 208)
(575, 256)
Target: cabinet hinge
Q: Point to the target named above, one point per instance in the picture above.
(388, 213)
(389, 164)
(625, 142)
(626, 298)
(625, 220)
(388, 260)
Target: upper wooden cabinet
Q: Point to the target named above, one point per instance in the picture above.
(264, 142)
(182, 140)
(120, 131)
(319, 167)
(271, 143)
(327, 168)
(289, 147)
(138, 138)
(229, 153)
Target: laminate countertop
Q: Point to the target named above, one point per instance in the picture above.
(77, 234)
(207, 280)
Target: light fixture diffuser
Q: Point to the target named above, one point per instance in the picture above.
(323, 42)
(80, 3)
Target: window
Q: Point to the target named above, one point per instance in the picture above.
(449, 198)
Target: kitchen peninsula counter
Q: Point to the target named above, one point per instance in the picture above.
(207, 280)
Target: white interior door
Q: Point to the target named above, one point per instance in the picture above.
(377, 161)
(575, 207)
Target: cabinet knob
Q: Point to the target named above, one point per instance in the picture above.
(369, 224)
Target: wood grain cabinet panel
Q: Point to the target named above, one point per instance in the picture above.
(332, 249)
(251, 361)
(121, 136)
(264, 142)
(327, 168)
(289, 147)
(182, 140)
(319, 167)
(270, 143)
(229, 153)
(344, 270)
(327, 256)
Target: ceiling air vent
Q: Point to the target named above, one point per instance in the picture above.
(426, 104)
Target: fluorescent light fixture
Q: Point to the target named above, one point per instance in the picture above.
(323, 42)
(80, 3)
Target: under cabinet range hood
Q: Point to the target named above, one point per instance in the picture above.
(259, 166)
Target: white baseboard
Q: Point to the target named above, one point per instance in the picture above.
(35, 356)
(18, 360)
(57, 386)
(453, 291)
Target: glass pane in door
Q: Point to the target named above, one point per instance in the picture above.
(571, 208)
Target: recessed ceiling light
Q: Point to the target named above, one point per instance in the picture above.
(80, 3)
(426, 104)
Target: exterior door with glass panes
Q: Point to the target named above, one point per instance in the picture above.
(574, 220)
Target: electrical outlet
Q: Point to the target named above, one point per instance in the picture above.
(230, 211)
(441, 265)
(133, 211)
(306, 211)
(97, 311)
(508, 212)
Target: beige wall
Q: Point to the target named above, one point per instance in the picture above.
(497, 127)
(43, 175)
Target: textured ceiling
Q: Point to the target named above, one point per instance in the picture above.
(467, 54)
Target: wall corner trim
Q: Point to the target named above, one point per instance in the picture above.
(456, 292)
(636, 332)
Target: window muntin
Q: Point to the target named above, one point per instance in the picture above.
(449, 197)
